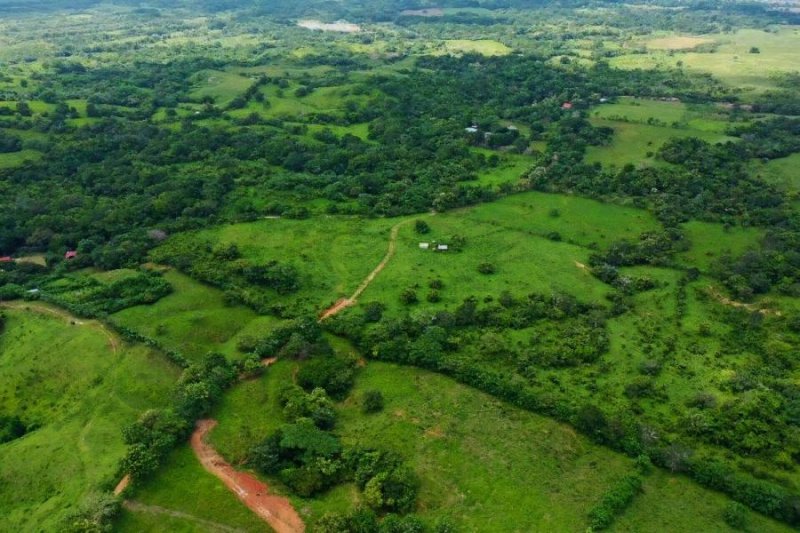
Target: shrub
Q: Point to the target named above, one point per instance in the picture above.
(614, 502)
(486, 268)
(421, 227)
(372, 402)
(735, 515)
(409, 296)
(11, 427)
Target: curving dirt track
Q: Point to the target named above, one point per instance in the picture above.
(275, 510)
(347, 302)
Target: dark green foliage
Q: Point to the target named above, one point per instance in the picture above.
(487, 268)
(305, 457)
(11, 427)
(614, 502)
(301, 338)
(315, 405)
(409, 296)
(372, 402)
(421, 227)
(373, 311)
(735, 515)
(95, 515)
(9, 143)
(332, 373)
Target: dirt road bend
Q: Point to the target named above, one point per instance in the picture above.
(277, 511)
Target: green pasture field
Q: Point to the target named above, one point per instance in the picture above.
(577, 220)
(674, 503)
(638, 144)
(711, 241)
(524, 263)
(731, 61)
(511, 168)
(220, 85)
(333, 254)
(487, 47)
(783, 172)
(641, 110)
(16, 159)
(194, 319)
(283, 103)
(515, 233)
(471, 452)
(79, 391)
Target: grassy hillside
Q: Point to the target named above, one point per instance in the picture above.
(76, 385)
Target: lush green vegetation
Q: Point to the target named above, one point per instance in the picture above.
(586, 213)
(74, 386)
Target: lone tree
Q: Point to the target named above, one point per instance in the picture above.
(421, 227)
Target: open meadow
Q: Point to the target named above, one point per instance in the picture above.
(76, 385)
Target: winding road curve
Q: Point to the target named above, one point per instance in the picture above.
(277, 511)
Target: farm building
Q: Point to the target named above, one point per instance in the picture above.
(6, 259)
(72, 254)
(566, 105)
(442, 248)
(424, 245)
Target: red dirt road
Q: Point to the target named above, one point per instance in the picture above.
(275, 510)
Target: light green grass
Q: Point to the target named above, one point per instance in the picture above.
(17, 159)
(194, 319)
(783, 172)
(66, 379)
(332, 254)
(732, 62)
(710, 241)
(641, 109)
(578, 220)
(524, 263)
(632, 142)
(220, 85)
(511, 168)
(487, 47)
(472, 454)
(673, 503)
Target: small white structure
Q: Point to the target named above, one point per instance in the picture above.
(511, 127)
(442, 247)
(471, 129)
(424, 245)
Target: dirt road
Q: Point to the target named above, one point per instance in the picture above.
(277, 511)
(347, 302)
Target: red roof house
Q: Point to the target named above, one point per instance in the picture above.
(566, 105)
(6, 259)
(72, 254)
